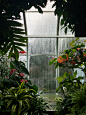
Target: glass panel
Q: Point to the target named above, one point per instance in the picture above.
(64, 44)
(82, 40)
(43, 75)
(41, 24)
(42, 45)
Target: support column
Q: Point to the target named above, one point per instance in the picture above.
(25, 25)
(57, 50)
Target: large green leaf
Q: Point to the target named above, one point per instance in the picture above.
(13, 108)
(16, 52)
(12, 38)
(35, 88)
(51, 62)
(20, 107)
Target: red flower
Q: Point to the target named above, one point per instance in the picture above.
(61, 59)
(22, 80)
(13, 70)
(78, 48)
(22, 52)
(21, 74)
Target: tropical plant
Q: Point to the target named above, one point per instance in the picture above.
(20, 100)
(69, 84)
(17, 99)
(11, 33)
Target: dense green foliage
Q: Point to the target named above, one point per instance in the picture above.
(18, 96)
(79, 101)
(73, 12)
(16, 99)
(20, 100)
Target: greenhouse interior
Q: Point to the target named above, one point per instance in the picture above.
(42, 59)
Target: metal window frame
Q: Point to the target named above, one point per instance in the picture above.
(25, 25)
(45, 11)
(49, 36)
